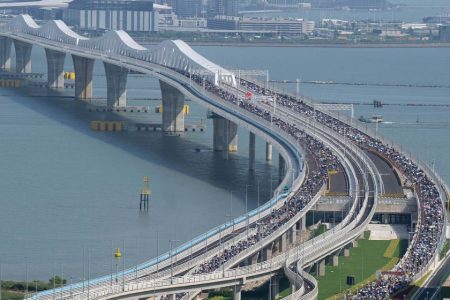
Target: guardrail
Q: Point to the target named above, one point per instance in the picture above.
(137, 271)
(210, 236)
(337, 238)
(220, 229)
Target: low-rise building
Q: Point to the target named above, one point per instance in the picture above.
(444, 33)
(129, 15)
(275, 26)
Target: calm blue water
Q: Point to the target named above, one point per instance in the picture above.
(389, 65)
(65, 188)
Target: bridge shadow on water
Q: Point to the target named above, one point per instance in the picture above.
(178, 153)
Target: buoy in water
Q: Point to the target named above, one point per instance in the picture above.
(117, 254)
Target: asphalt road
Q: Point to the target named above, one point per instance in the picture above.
(391, 182)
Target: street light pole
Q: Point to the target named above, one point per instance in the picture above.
(171, 259)
(0, 280)
(26, 275)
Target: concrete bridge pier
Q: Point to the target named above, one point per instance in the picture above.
(237, 292)
(253, 259)
(281, 167)
(347, 251)
(301, 224)
(267, 254)
(283, 242)
(251, 151)
(321, 268)
(55, 68)
(334, 259)
(23, 56)
(274, 290)
(172, 297)
(83, 77)
(5, 53)
(116, 85)
(173, 108)
(293, 235)
(268, 151)
(225, 136)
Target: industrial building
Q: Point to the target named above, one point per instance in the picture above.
(280, 27)
(444, 33)
(128, 15)
(223, 8)
(188, 8)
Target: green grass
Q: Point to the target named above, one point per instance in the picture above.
(11, 295)
(15, 290)
(322, 229)
(444, 250)
(362, 263)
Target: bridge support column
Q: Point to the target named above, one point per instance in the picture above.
(232, 137)
(321, 268)
(302, 225)
(274, 287)
(346, 251)
(219, 132)
(268, 151)
(283, 242)
(268, 252)
(335, 260)
(83, 77)
(237, 292)
(253, 259)
(5, 53)
(23, 56)
(355, 244)
(251, 151)
(116, 85)
(172, 297)
(281, 167)
(55, 68)
(225, 136)
(173, 108)
(293, 235)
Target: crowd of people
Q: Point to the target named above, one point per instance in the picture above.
(428, 229)
(317, 176)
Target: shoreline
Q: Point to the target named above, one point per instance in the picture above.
(306, 45)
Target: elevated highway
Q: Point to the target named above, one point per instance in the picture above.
(288, 123)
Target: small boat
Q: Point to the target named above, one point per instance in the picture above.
(376, 119)
(373, 119)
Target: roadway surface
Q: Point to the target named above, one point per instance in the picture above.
(339, 183)
(438, 279)
(391, 181)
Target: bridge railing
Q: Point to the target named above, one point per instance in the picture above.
(438, 181)
(317, 249)
(213, 233)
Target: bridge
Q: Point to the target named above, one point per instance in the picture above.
(312, 143)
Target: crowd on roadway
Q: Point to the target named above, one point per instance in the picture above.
(429, 229)
(317, 176)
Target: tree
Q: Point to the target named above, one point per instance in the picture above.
(57, 280)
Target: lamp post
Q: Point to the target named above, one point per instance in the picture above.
(117, 256)
(246, 208)
(0, 280)
(171, 259)
(26, 275)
